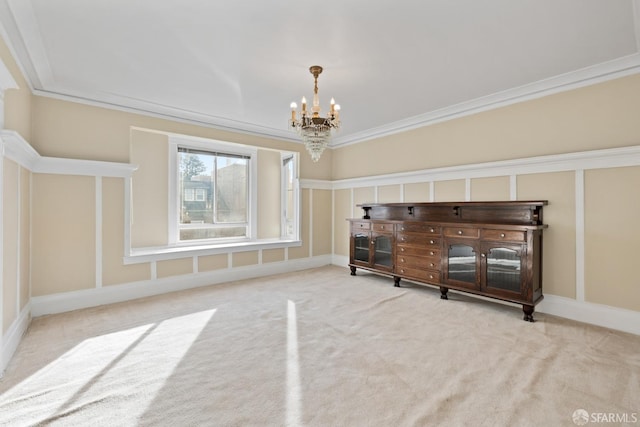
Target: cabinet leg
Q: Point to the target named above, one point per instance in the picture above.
(353, 270)
(396, 281)
(443, 292)
(528, 313)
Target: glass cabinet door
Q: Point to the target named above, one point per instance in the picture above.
(361, 247)
(383, 251)
(462, 264)
(504, 269)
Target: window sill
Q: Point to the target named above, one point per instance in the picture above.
(141, 255)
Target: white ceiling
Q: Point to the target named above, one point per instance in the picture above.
(392, 65)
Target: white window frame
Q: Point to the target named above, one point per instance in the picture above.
(296, 196)
(204, 144)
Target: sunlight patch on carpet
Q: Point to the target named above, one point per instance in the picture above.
(293, 367)
(102, 369)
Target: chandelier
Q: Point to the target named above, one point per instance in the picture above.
(314, 129)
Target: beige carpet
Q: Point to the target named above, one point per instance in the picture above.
(316, 348)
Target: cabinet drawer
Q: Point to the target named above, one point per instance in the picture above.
(403, 261)
(360, 225)
(471, 233)
(418, 239)
(430, 276)
(419, 228)
(382, 227)
(511, 235)
(425, 252)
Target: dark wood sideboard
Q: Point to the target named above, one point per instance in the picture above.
(493, 249)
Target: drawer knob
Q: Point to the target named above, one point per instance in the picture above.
(431, 253)
(401, 270)
(432, 265)
(361, 225)
(483, 255)
(431, 230)
(401, 249)
(402, 229)
(402, 260)
(460, 232)
(431, 242)
(501, 234)
(431, 276)
(403, 239)
(382, 227)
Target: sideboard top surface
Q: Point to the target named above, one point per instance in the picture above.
(493, 212)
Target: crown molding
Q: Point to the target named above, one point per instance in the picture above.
(605, 71)
(160, 111)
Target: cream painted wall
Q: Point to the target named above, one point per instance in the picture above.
(63, 233)
(342, 210)
(213, 262)
(269, 204)
(389, 194)
(11, 176)
(243, 259)
(362, 195)
(322, 210)
(612, 234)
(449, 191)
(114, 272)
(174, 267)
(150, 189)
(487, 189)
(305, 227)
(273, 255)
(604, 115)
(417, 192)
(559, 240)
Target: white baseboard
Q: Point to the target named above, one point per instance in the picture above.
(595, 314)
(59, 303)
(340, 260)
(587, 312)
(12, 338)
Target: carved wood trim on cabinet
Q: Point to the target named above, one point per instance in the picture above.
(493, 249)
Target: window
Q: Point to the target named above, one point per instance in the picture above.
(289, 196)
(213, 193)
(213, 190)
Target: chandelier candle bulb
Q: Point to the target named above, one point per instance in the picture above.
(293, 111)
(333, 105)
(304, 105)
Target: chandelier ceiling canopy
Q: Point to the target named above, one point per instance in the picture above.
(314, 129)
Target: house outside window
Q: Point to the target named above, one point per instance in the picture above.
(213, 188)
